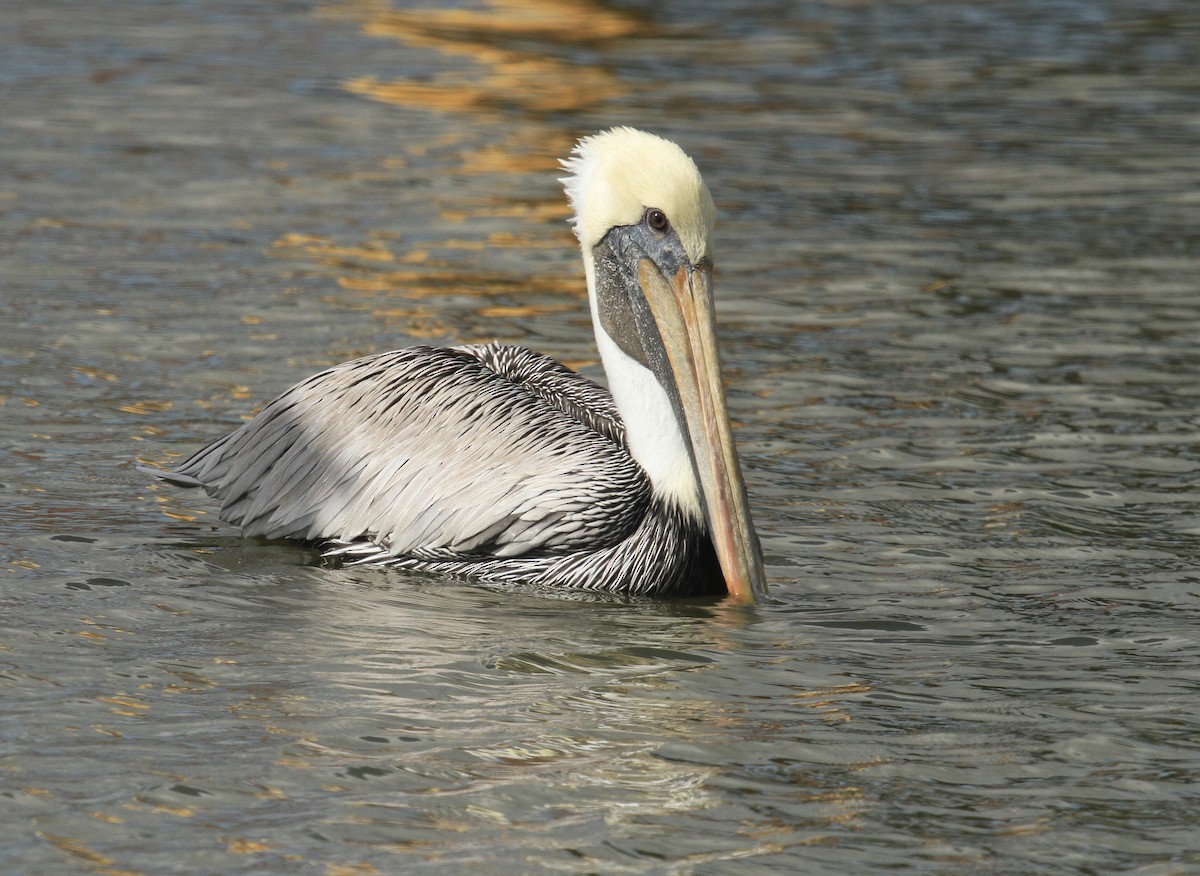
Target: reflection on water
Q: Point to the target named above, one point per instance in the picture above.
(956, 276)
(501, 77)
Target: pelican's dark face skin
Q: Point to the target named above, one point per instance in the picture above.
(621, 303)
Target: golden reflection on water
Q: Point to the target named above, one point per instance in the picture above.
(78, 849)
(492, 75)
(506, 77)
(405, 299)
(562, 21)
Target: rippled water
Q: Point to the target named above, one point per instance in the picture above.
(958, 261)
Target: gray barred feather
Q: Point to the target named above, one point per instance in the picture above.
(557, 384)
(667, 555)
(483, 461)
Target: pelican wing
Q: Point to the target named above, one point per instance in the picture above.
(483, 451)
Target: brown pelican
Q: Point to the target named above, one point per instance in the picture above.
(497, 463)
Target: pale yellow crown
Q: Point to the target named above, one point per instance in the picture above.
(614, 176)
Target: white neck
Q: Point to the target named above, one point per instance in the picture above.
(654, 436)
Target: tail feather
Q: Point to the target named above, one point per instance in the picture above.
(171, 477)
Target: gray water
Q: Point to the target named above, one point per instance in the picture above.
(957, 261)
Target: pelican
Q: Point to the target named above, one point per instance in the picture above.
(496, 463)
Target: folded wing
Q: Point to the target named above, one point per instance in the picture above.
(486, 451)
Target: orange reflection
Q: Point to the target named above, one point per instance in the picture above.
(408, 293)
(420, 284)
(509, 77)
(501, 57)
(571, 21)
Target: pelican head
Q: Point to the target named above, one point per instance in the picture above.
(644, 220)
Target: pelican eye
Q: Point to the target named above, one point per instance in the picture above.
(656, 220)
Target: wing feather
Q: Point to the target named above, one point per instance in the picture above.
(485, 451)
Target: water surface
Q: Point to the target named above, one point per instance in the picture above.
(957, 262)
